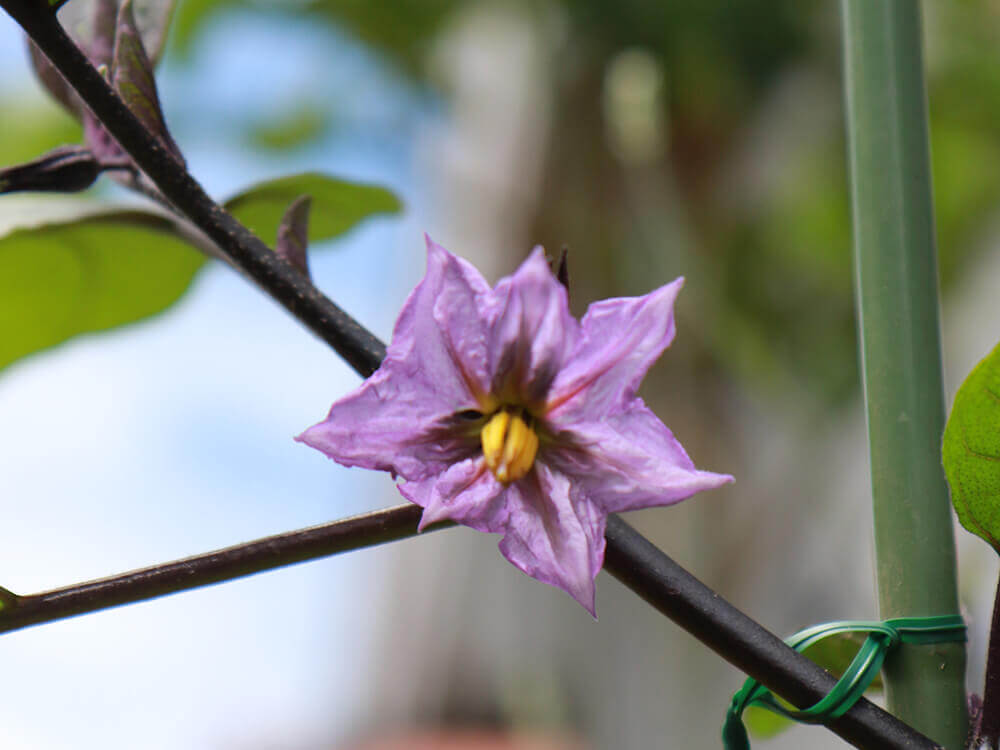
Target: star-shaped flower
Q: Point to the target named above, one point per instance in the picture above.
(500, 411)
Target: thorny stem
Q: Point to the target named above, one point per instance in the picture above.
(630, 557)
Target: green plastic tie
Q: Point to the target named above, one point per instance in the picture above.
(882, 637)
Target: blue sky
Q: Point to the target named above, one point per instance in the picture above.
(174, 437)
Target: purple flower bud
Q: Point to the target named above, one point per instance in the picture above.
(67, 169)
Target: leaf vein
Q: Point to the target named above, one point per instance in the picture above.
(977, 454)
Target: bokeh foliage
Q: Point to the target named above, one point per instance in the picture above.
(779, 263)
(768, 220)
(69, 267)
(72, 267)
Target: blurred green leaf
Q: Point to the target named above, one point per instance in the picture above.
(966, 164)
(87, 274)
(70, 267)
(403, 28)
(337, 205)
(763, 724)
(190, 17)
(291, 130)
(971, 451)
(836, 652)
(29, 131)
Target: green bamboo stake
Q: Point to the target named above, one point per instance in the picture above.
(896, 266)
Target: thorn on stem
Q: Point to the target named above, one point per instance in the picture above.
(562, 268)
(8, 599)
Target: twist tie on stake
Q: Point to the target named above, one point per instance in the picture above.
(882, 637)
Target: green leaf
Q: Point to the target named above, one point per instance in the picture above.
(971, 451)
(69, 267)
(336, 205)
(32, 129)
(87, 274)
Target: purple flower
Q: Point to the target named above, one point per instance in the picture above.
(502, 412)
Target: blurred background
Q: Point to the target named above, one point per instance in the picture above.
(652, 139)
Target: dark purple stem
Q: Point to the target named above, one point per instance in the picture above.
(354, 343)
(271, 552)
(989, 718)
(631, 558)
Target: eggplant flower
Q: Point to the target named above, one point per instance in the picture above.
(499, 410)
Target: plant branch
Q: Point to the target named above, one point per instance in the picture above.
(355, 344)
(630, 557)
(221, 565)
(650, 573)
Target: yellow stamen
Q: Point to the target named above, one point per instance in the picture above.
(509, 445)
(493, 436)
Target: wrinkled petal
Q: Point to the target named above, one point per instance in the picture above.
(531, 333)
(554, 535)
(398, 420)
(461, 305)
(461, 351)
(620, 339)
(630, 460)
(466, 493)
(440, 336)
(390, 425)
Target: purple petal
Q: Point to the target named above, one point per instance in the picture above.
(630, 460)
(440, 335)
(460, 310)
(620, 339)
(387, 425)
(398, 420)
(467, 492)
(554, 535)
(531, 333)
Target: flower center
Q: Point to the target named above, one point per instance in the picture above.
(509, 444)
